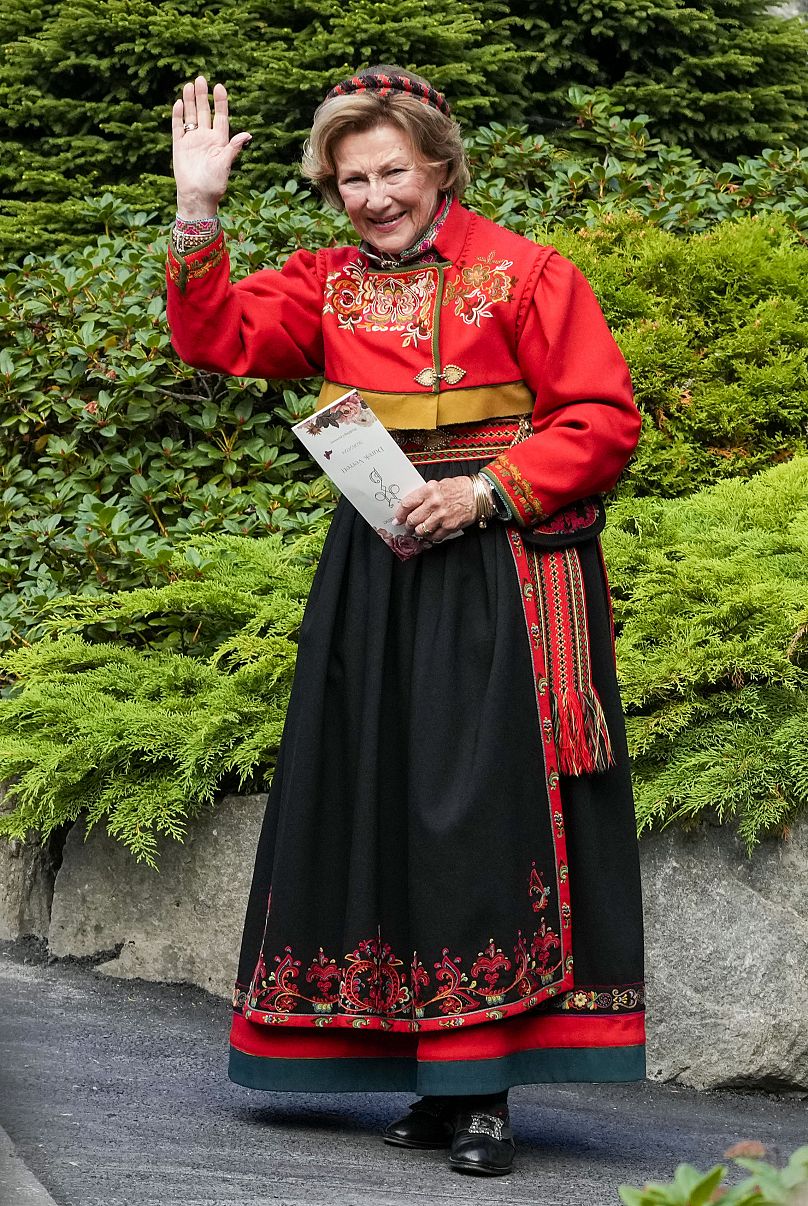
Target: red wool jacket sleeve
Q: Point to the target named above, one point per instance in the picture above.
(267, 325)
(585, 422)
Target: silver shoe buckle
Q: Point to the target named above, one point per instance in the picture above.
(486, 1124)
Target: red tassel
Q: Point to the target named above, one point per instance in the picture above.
(582, 738)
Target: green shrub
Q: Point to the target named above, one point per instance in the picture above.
(149, 701)
(610, 163)
(128, 731)
(86, 85)
(766, 1186)
(711, 601)
(607, 163)
(110, 449)
(715, 331)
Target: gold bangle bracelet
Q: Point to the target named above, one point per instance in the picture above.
(483, 500)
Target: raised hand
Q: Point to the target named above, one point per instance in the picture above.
(204, 152)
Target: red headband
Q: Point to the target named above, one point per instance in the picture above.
(385, 84)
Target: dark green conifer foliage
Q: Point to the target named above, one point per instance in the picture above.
(723, 78)
(711, 595)
(86, 86)
(141, 737)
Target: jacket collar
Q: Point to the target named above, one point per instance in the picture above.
(452, 236)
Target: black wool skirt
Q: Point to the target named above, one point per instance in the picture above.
(430, 911)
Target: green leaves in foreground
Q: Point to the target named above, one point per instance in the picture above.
(711, 596)
(142, 704)
(767, 1185)
(143, 738)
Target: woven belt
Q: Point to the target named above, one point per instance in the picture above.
(463, 441)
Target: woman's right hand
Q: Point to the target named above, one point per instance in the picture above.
(204, 156)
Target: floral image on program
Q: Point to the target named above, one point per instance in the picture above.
(350, 411)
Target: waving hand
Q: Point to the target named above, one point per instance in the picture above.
(204, 152)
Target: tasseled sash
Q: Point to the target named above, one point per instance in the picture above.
(552, 592)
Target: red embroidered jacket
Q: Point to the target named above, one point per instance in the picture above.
(496, 326)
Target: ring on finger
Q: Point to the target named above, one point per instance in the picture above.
(190, 125)
(425, 531)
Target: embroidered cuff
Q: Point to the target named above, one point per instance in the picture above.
(195, 263)
(192, 234)
(512, 485)
(502, 508)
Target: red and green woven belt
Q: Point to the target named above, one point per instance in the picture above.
(463, 441)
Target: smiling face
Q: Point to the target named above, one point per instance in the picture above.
(390, 194)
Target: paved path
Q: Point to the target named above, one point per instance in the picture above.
(18, 1185)
(115, 1093)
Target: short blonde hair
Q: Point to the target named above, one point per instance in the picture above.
(435, 136)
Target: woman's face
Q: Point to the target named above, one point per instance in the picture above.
(389, 194)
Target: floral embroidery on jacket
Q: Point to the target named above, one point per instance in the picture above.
(405, 302)
(374, 982)
(518, 490)
(479, 287)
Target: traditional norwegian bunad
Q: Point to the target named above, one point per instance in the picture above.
(446, 896)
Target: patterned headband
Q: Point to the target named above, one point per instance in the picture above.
(385, 84)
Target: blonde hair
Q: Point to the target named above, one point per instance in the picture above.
(435, 136)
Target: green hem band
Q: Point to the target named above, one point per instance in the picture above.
(554, 1065)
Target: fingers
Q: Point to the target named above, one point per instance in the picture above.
(221, 120)
(195, 105)
(194, 110)
(177, 118)
(189, 103)
(425, 521)
(424, 510)
(439, 508)
(237, 143)
(191, 122)
(409, 503)
(202, 103)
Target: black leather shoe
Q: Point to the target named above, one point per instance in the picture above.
(483, 1144)
(429, 1124)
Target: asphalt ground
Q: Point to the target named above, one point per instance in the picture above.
(115, 1093)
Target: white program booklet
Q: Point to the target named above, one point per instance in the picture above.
(366, 464)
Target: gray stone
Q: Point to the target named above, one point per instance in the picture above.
(181, 923)
(727, 936)
(27, 872)
(727, 953)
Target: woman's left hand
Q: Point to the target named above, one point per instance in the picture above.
(437, 509)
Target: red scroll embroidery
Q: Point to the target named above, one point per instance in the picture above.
(372, 987)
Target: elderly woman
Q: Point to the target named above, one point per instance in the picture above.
(446, 895)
